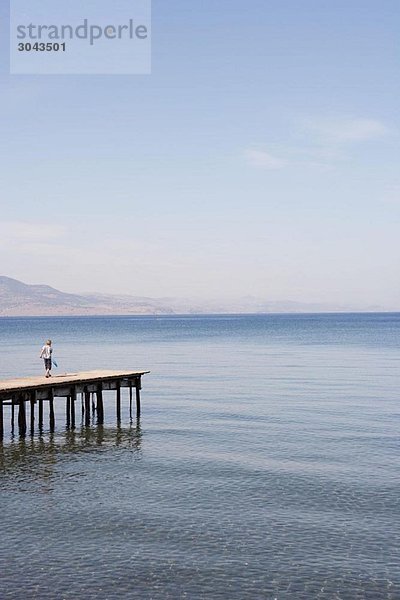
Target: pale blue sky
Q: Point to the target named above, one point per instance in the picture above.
(260, 157)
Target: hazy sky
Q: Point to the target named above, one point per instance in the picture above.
(261, 157)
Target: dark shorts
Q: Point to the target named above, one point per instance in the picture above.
(47, 363)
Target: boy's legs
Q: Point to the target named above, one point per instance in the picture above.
(47, 366)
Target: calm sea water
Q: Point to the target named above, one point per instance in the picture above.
(265, 463)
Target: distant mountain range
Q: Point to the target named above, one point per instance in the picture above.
(20, 299)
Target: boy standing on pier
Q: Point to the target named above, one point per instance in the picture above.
(46, 353)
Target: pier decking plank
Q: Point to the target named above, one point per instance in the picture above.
(25, 384)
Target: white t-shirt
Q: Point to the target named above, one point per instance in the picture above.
(46, 351)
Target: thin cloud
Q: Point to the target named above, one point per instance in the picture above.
(391, 196)
(24, 231)
(264, 160)
(348, 130)
(322, 143)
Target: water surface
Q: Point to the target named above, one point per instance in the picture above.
(264, 465)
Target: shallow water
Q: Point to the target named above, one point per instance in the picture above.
(265, 463)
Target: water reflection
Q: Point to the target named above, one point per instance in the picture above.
(40, 454)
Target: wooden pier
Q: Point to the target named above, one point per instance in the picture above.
(89, 386)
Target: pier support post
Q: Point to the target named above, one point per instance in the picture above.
(100, 405)
(87, 408)
(118, 401)
(73, 400)
(1, 420)
(22, 417)
(130, 400)
(12, 414)
(68, 411)
(33, 402)
(40, 414)
(51, 407)
(138, 388)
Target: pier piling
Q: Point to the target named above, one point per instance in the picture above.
(137, 388)
(21, 416)
(33, 402)
(100, 405)
(40, 415)
(87, 407)
(68, 411)
(51, 409)
(12, 415)
(73, 400)
(1, 420)
(118, 402)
